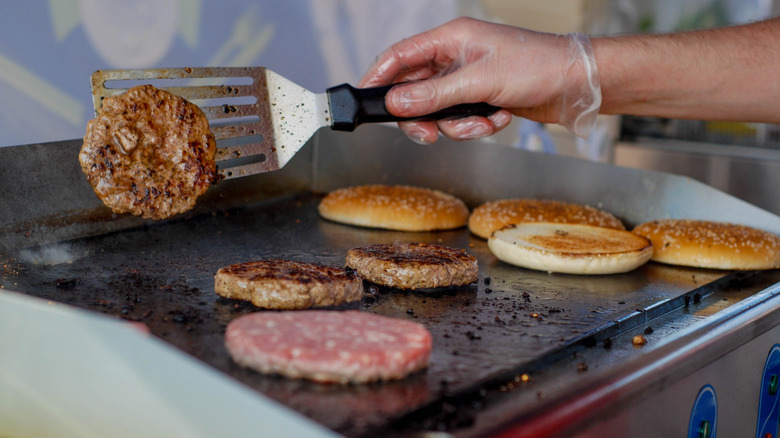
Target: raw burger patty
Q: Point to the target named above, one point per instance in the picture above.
(413, 265)
(329, 346)
(149, 153)
(287, 284)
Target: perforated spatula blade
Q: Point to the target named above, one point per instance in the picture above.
(259, 118)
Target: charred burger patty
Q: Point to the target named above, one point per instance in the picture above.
(287, 284)
(413, 265)
(149, 153)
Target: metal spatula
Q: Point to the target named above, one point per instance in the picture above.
(259, 118)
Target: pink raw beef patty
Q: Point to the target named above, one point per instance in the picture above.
(329, 346)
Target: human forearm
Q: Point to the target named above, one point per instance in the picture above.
(720, 74)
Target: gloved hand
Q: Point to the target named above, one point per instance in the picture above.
(543, 77)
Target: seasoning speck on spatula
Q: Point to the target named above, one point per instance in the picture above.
(149, 153)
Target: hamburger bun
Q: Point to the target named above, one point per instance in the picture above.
(714, 245)
(494, 215)
(394, 207)
(570, 248)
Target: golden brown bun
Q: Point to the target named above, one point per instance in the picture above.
(570, 248)
(494, 215)
(714, 245)
(402, 208)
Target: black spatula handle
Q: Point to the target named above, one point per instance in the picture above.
(352, 106)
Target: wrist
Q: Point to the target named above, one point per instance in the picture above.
(711, 74)
(581, 98)
(641, 75)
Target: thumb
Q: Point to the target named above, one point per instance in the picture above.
(423, 97)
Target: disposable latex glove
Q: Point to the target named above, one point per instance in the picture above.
(543, 77)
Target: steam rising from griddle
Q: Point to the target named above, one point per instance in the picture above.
(54, 254)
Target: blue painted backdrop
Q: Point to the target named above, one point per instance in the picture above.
(48, 49)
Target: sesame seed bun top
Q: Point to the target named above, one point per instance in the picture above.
(494, 215)
(714, 245)
(394, 207)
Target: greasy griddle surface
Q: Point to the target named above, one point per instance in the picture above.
(162, 275)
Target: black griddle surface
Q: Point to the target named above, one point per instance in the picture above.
(512, 321)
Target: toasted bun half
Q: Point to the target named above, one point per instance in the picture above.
(714, 245)
(394, 207)
(570, 248)
(494, 215)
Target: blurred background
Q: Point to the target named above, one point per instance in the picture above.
(48, 49)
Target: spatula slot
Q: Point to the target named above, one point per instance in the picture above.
(249, 159)
(235, 82)
(245, 165)
(225, 105)
(238, 141)
(235, 121)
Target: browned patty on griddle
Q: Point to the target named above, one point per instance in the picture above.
(287, 284)
(149, 153)
(413, 265)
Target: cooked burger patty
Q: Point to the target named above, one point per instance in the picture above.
(286, 284)
(329, 346)
(149, 153)
(413, 265)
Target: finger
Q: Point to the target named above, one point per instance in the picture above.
(437, 46)
(420, 132)
(475, 127)
(416, 75)
(384, 70)
(430, 95)
(467, 128)
(407, 55)
(501, 119)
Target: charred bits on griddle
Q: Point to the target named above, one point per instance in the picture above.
(66, 283)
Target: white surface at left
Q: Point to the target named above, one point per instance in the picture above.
(65, 372)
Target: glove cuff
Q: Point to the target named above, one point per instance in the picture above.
(582, 89)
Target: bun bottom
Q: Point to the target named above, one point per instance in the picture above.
(570, 248)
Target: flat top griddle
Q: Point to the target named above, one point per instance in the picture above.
(512, 322)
